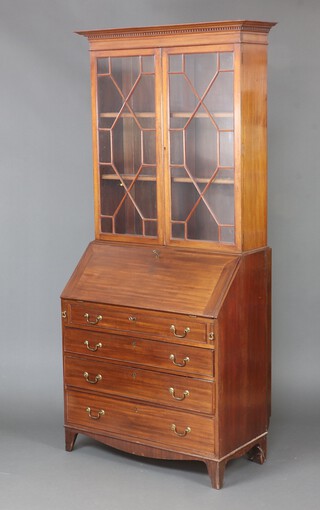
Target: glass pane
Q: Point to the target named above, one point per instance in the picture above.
(226, 60)
(183, 198)
(224, 176)
(103, 65)
(149, 147)
(148, 64)
(226, 149)
(104, 146)
(202, 225)
(220, 200)
(178, 230)
(151, 228)
(219, 98)
(182, 98)
(127, 145)
(125, 72)
(108, 172)
(110, 101)
(176, 147)
(179, 174)
(202, 146)
(148, 173)
(142, 101)
(224, 120)
(144, 196)
(175, 63)
(127, 221)
(126, 137)
(112, 192)
(106, 225)
(200, 69)
(227, 234)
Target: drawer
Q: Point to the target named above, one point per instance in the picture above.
(166, 389)
(180, 359)
(153, 325)
(124, 419)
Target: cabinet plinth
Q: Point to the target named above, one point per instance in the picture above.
(175, 289)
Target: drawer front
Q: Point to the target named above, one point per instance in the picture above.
(124, 419)
(160, 326)
(169, 390)
(180, 359)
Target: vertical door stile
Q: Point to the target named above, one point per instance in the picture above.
(159, 106)
(237, 146)
(95, 148)
(165, 146)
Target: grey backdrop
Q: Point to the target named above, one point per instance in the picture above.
(46, 217)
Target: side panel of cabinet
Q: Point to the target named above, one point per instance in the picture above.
(252, 144)
(243, 355)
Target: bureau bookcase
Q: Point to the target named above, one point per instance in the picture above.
(166, 318)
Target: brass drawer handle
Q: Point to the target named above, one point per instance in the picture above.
(93, 323)
(97, 378)
(132, 318)
(174, 331)
(101, 412)
(92, 349)
(184, 362)
(186, 431)
(186, 394)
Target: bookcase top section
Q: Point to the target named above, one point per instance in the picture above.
(164, 279)
(262, 27)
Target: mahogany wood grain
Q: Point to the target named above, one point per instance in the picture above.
(137, 321)
(170, 280)
(253, 152)
(204, 33)
(242, 355)
(140, 384)
(70, 439)
(268, 333)
(125, 419)
(162, 356)
(149, 319)
(248, 40)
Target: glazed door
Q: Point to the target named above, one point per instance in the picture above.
(127, 138)
(199, 87)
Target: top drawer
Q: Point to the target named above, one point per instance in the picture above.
(151, 324)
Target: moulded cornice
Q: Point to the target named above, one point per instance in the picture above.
(170, 30)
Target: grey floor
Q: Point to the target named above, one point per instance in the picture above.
(36, 473)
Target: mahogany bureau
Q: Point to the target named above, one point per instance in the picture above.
(166, 318)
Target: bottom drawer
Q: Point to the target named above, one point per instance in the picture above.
(122, 419)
